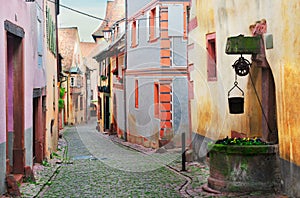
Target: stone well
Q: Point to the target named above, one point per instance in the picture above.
(246, 168)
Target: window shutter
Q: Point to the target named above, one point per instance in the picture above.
(130, 33)
(157, 22)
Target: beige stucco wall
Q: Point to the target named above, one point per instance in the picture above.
(210, 115)
(51, 92)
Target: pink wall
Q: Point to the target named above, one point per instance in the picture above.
(22, 14)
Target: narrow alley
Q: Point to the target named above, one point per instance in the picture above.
(95, 166)
(149, 98)
(92, 164)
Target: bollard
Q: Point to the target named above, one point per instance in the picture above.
(183, 152)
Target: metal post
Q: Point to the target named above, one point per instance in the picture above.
(183, 152)
(125, 69)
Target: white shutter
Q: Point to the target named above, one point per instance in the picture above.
(130, 34)
(137, 31)
(157, 21)
(148, 26)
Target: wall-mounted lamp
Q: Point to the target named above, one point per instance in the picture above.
(107, 33)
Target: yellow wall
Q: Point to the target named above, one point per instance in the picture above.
(52, 94)
(210, 115)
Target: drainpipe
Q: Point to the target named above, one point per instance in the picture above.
(125, 68)
(86, 93)
(68, 98)
(57, 62)
(189, 133)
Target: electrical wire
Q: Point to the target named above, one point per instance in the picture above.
(94, 17)
(80, 12)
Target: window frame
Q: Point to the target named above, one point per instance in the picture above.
(136, 92)
(156, 100)
(134, 33)
(154, 24)
(211, 57)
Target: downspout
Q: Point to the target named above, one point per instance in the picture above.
(57, 62)
(68, 98)
(86, 94)
(125, 68)
(190, 139)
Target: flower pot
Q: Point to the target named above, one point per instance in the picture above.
(247, 168)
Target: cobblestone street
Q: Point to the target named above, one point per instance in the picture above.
(103, 169)
(92, 164)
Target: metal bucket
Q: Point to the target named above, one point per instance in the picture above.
(236, 105)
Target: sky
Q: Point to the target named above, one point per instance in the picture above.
(85, 24)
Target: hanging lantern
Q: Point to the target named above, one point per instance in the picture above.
(106, 33)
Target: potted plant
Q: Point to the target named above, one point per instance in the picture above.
(103, 77)
(243, 165)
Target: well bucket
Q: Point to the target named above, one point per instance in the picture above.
(236, 105)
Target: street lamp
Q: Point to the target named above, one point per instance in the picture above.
(106, 32)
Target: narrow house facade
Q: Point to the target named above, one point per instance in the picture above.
(269, 89)
(50, 105)
(74, 69)
(92, 69)
(111, 59)
(24, 76)
(156, 74)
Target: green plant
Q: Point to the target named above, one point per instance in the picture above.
(61, 103)
(29, 180)
(55, 155)
(45, 163)
(103, 77)
(241, 141)
(62, 92)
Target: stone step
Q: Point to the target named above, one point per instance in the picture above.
(18, 178)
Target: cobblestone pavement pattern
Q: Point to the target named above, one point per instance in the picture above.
(98, 165)
(102, 168)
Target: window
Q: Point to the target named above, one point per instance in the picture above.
(211, 57)
(75, 102)
(79, 81)
(175, 20)
(154, 20)
(156, 100)
(136, 94)
(40, 39)
(120, 66)
(72, 82)
(81, 102)
(134, 33)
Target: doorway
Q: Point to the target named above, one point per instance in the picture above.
(38, 130)
(106, 113)
(15, 153)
